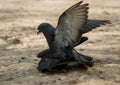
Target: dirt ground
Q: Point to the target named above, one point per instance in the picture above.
(19, 43)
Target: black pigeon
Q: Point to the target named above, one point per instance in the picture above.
(43, 53)
(68, 34)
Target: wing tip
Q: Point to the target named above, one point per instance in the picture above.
(87, 4)
(79, 3)
(108, 21)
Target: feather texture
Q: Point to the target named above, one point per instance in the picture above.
(72, 22)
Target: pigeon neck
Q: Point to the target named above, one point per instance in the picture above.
(49, 34)
(47, 30)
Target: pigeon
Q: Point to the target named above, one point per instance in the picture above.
(44, 52)
(72, 24)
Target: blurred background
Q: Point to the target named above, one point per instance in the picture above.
(19, 43)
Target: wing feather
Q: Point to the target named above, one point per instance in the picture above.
(72, 21)
(92, 24)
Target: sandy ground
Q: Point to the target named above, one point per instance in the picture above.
(19, 43)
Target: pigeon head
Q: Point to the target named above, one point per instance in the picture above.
(44, 27)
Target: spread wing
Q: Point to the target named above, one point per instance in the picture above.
(71, 23)
(92, 24)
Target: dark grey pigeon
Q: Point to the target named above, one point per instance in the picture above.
(43, 53)
(68, 34)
